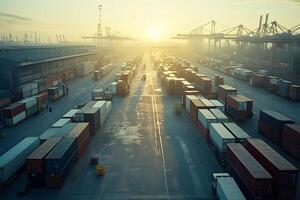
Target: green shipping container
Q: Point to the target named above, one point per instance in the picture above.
(31, 111)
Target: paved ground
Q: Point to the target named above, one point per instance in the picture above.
(148, 151)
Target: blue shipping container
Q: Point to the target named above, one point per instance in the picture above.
(274, 119)
(62, 157)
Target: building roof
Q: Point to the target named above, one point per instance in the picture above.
(27, 55)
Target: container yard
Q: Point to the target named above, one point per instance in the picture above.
(146, 112)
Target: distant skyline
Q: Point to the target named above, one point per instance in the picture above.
(136, 18)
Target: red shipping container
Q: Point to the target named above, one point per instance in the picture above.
(236, 115)
(284, 173)
(205, 86)
(42, 100)
(194, 106)
(35, 162)
(240, 103)
(81, 133)
(203, 131)
(13, 109)
(224, 90)
(253, 176)
(291, 139)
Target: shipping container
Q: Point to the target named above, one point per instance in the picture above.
(258, 80)
(291, 139)
(59, 162)
(218, 104)
(53, 93)
(240, 103)
(61, 122)
(71, 114)
(272, 83)
(81, 133)
(187, 102)
(205, 117)
(221, 117)
(35, 164)
(31, 106)
(207, 103)
(14, 114)
(239, 107)
(254, 180)
(15, 158)
(239, 134)
(271, 124)
(102, 106)
(284, 173)
(41, 85)
(57, 132)
(227, 189)
(42, 101)
(295, 92)
(284, 88)
(220, 137)
(223, 91)
(195, 105)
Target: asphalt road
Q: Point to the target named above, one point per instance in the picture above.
(148, 151)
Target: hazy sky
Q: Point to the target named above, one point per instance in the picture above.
(76, 18)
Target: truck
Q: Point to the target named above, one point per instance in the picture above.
(99, 94)
(224, 187)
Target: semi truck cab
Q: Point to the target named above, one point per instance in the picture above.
(214, 178)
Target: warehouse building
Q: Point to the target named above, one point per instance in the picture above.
(22, 65)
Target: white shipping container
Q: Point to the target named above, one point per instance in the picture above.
(227, 189)
(188, 99)
(221, 117)
(218, 104)
(113, 87)
(274, 81)
(206, 117)
(55, 83)
(61, 122)
(108, 107)
(61, 91)
(220, 136)
(41, 89)
(207, 102)
(35, 91)
(103, 112)
(237, 132)
(71, 113)
(15, 158)
(16, 119)
(29, 102)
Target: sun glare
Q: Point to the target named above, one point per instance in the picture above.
(154, 34)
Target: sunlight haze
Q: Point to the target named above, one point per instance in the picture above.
(136, 18)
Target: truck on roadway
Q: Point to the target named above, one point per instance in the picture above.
(225, 187)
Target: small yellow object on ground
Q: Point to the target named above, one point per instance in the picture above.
(100, 169)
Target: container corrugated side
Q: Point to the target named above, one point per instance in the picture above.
(15, 158)
(227, 189)
(220, 136)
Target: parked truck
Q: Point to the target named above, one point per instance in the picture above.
(225, 187)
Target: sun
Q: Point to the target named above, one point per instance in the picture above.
(154, 33)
